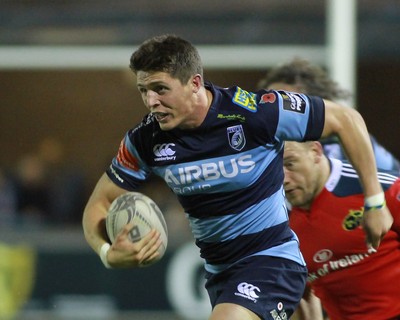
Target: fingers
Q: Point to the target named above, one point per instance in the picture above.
(149, 247)
(371, 249)
(151, 257)
(376, 223)
(372, 244)
(126, 253)
(124, 233)
(373, 235)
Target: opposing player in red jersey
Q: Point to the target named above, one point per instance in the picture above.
(327, 208)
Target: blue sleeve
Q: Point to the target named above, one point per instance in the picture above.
(384, 159)
(127, 169)
(301, 117)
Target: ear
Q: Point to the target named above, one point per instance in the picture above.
(318, 151)
(197, 82)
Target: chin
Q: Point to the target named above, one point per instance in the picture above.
(295, 203)
(166, 126)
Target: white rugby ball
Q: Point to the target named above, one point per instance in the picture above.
(143, 212)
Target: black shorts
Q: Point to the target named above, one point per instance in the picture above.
(270, 287)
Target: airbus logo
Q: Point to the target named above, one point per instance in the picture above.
(209, 171)
(164, 152)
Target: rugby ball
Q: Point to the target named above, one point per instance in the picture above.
(143, 212)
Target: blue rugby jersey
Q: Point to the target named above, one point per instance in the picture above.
(384, 159)
(227, 173)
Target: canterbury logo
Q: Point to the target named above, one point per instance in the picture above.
(164, 151)
(247, 290)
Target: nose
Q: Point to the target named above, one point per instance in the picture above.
(151, 99)
(286, 177)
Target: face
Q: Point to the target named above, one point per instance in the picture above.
(170, 101)
(303, 180)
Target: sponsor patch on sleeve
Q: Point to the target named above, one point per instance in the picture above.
(127, 159)
(245, 99)
(293, 102)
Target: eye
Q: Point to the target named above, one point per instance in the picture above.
(160, 89)
(289, 164)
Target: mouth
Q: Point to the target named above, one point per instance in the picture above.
(160, 116)
(290, 192)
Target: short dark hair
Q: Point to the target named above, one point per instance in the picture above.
(310, 79)
(167, 53)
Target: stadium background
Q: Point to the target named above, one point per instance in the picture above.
(89, 109)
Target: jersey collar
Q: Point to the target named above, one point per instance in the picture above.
(334, 177)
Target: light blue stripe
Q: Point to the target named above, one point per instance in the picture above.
(292, 125)
(265, 214)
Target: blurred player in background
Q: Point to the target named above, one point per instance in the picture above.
(17, 278)
(221, 151)
(327, 209)
(300, 75)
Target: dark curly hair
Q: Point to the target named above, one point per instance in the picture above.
(308, 78)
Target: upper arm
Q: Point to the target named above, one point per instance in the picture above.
(300, 117)
(105, 192)
(338, 118)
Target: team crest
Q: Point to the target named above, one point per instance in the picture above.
(236, 137)
(353, 220)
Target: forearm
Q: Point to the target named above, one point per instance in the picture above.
(348, 124)
(95, 212)
(93, 223)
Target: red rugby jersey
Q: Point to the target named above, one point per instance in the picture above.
(351, 283)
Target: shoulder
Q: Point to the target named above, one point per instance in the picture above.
(344, 180)
(147, 126)
(254, 100)
(232, 97)
(384, 158)
(145, 130)
(240, 97)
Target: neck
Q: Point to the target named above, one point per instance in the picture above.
(209, 97)
(200, 106)
(205, 101)
(325, 172)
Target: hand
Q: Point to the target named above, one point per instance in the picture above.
(124, 253)
(376, 223)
